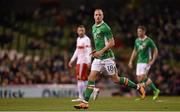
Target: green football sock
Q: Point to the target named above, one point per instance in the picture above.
(89, 90)
(127, 82)
(152, 86)
(144, 80)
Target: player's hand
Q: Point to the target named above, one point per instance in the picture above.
(92, 52)
(150, 63)
(70, 64)
(97, 54)
(130, 65)
(89, 65)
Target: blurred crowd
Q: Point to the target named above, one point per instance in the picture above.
(52, 30)
(17, 69)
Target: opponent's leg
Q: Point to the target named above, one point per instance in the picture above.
(80, 92)
(90, 87)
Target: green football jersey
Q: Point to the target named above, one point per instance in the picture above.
(143, 48)
(101, 34)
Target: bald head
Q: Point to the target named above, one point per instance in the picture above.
(98, 16)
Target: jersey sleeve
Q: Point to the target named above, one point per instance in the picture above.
(135, 45)
(152, 44)
(107, 32)
(88, 50)
(75, 54)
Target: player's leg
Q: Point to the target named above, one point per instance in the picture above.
(142, 70)
(95, 68)
(89, 90)
(96, 92)
(91, 85)
(80, 96)
(148, 82)
(79, 69)
(84, 77)
(124, 81)
(80, 92)
(156, 91)
(84, 86)
(127, 82)
(111, 69)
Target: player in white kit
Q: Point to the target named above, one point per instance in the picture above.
(82, 53)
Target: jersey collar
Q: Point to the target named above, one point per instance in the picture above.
(99, 24)
(83, 36)
(143, 38)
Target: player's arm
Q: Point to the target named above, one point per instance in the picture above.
(133, 56)
(73, 58)
(109, 36)
(155, 54)
(109, 45)
(88, 51)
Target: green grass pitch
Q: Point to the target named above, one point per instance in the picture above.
(102, 104)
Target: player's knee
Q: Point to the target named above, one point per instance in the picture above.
(92, 77)
(140, 78)
(148, 81)
(115, 79)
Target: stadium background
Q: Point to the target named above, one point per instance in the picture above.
(38, 37)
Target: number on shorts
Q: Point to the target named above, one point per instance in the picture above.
(110, 68)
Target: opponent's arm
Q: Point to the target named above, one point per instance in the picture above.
(73, 58)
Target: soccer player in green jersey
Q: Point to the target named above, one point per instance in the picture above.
(104, 59)
(146, 52)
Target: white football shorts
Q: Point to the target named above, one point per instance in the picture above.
(142, 69)
(107, 65)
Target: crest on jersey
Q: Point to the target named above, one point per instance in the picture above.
(98, 33)
(143, 46)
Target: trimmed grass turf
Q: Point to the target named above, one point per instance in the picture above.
(102, 104)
